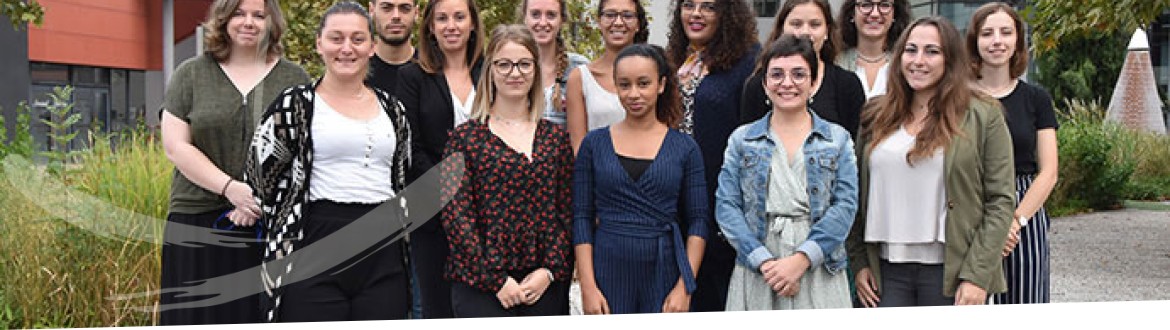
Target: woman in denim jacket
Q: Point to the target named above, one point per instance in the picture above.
(787, 216)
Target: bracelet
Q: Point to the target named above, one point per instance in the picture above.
(550, 275)
(225, 186)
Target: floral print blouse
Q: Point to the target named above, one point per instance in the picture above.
(509, 214)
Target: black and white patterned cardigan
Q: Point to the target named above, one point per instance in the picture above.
(278, 170)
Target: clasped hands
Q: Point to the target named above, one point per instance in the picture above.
(528, 291)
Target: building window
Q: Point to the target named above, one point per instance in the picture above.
(766, 8)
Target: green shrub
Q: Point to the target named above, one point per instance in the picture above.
(1095, 163)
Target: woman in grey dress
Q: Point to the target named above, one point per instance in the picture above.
(788, 193)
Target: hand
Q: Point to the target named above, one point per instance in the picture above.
(240, 219)
(240, 195)
(1013, 238)
(970, 294)
(678, 301)
(784, 274)
(534, 285)
(592, 301)
(511, 294)
(867, 287)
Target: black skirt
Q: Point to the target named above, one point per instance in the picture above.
(186, 262)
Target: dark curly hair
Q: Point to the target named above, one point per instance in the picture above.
(643, 23)
(668, 107)
(734, 36)
(849, 29)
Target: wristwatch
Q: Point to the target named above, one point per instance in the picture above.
(550, 275)
(1023, 220)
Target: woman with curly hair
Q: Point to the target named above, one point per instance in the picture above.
(869, 29)
(837, 94)
(713, 46)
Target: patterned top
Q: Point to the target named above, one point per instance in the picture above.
(278, 168)
(507, 213)
(690, 75)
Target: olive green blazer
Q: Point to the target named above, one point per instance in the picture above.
(980, 188)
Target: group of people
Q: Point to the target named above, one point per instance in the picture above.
(864, 160)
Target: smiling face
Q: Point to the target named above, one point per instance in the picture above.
(544, 18)
(873, 18)
(248, 26)
(997, 40)
(345, 45)
(923, 62)
(787, 82)
(700, 20)
(638, 85)
(513, 70)
(618, 22)
(394, 20)
(452, 25)
(808, 20)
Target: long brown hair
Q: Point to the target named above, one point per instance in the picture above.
(561, 50)
(430, 57)
(735, 35)
(503, 34)
(1019, 60)
(828, 51)
(218, 45)
(953, 96)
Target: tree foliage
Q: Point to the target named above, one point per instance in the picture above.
(19, 12)
(1054, 22)
(1083, 67)
(303, 16)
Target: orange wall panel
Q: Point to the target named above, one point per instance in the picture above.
(110, 33)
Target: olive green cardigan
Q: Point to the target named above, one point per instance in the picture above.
(980, 188)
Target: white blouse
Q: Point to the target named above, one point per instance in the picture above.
(907, 204)
(351, 157)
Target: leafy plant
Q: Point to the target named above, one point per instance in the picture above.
(61, 132)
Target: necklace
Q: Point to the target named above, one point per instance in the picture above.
(997, 92)
(868, 59)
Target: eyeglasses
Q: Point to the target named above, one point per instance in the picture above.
(505, 66)
(705, 8)
(609, 16)
(777, 76)
(883, 7)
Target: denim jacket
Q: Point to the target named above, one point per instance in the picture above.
(740, 200)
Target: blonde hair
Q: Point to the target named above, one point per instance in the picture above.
(218, 44)
(485, 96)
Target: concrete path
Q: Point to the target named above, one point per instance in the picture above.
(1119, 255)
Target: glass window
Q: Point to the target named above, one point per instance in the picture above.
(766, 8)
(47, 73)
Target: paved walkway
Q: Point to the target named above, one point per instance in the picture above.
(1111, 256)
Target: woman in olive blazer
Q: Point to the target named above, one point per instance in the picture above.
(969, 133)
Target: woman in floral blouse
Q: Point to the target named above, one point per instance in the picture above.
(508, 221)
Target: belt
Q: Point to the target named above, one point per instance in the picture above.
(669, 230)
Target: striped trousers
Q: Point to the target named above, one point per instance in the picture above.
(1027, 269)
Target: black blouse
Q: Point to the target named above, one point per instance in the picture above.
(1028, 109)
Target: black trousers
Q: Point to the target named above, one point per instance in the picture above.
(428, 253)
(373, 285)
(471, 302)
(714, 275)
(186, 263)
(912, 284)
